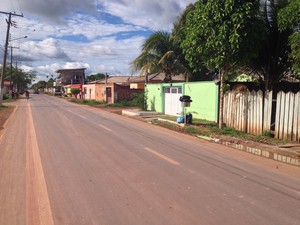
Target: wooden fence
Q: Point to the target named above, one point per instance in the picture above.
(287, 123)
(251, 112)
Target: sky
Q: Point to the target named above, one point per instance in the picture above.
(103, 36)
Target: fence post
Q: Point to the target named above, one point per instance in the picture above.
(267, 111)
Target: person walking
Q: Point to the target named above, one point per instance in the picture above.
(27, 94)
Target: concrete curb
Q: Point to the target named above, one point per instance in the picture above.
(264, 153)
(256, 151)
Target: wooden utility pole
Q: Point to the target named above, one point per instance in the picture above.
(9, 23)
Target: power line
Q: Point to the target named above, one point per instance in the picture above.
(20, 7)
(12, 6)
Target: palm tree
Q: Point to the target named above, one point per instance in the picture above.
(159, 55)
(273, 62)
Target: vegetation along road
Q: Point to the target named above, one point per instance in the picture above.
(62, 163)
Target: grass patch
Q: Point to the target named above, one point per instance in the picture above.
(228, 131)
(86, 102)
(211, 130)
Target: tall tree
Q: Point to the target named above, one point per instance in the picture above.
(272, 61)
(21, 79)
(219, 34)
(159, 54)
(289, 18)
(49, 83)
(94, 77)
(178, 36)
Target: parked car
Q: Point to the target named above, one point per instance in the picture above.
(36, 91)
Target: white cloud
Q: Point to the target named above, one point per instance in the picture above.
(76, 33)
(154, 14)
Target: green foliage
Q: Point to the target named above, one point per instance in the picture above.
(228, 131)
(272, 61)
(20, 78)
(289, 18)
(49, 83)
(219, 32)
(192, 130)
(160, 54)
(139, 100)
(86, 102)
(94, 77)
(5, 96)
(75, 91)
(39, 84)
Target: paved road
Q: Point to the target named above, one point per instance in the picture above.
(62, 163)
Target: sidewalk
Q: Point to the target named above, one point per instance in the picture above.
(289, 154)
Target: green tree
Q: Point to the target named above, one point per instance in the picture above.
(272, 61)
(21, 79)
(39, 84)
(219, 34)
(75, 91)
(159, 54)
(49, 83)
(94, 77)
(289, 18)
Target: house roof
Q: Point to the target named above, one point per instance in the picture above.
(159, 78)
(152, 78)
(68, 70)
(113, 80)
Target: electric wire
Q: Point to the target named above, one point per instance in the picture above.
(20, 7)
(12, 6)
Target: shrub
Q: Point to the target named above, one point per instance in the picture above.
(5, 96)
(75, 91)
(138, 100)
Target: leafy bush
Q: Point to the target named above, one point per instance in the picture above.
(139, 100)
(85, 102)
(75, 91)
(5, 96)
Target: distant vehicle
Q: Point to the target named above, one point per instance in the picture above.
(57, 91)
(36, 91)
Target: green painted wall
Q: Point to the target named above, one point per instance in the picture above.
(154, 94)
(205, 99)
(203, 94)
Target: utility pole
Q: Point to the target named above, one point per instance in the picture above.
(9, 23)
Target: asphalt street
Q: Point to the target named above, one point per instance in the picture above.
(63, 163)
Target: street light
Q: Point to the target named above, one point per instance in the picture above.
(17, 38)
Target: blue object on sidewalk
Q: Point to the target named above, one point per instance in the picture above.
(180, 119)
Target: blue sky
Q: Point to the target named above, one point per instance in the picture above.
(101, 35)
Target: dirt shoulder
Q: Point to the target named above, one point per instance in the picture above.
(5, 113)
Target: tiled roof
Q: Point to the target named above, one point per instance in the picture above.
(158, 77)
(67, 70)
(152, 78)
(114, 80)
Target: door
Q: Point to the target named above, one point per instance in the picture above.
(108, 95)
(172, 103)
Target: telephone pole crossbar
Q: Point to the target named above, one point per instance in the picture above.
(9, 23)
